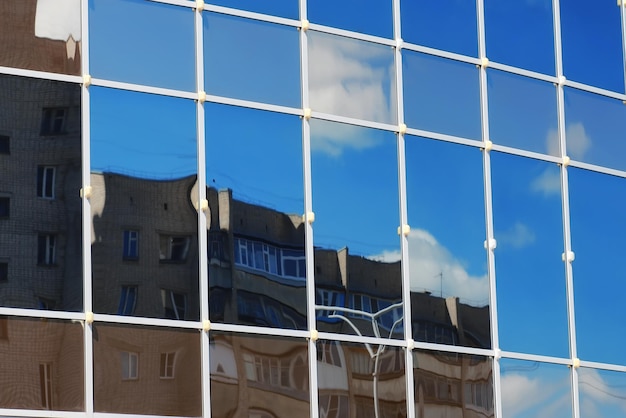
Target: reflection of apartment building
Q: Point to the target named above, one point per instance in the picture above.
(145, 247)
(40, 209)
(42, 364)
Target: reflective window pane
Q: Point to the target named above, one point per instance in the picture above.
(142, 42)
(520, 34)
(459, 384)
(528, 229)
(595, 127)
(282, 8)
(602, 393)
(447, 24)
(449, 283)
(232, 44)
(441, 95)
(592, 43)
(146, 370)
(353, 78)
(377, 20)
(144, 224)
(42, 35)
(41, 174)
(257, 271)
(360, 380)
(357, 260)
(42, 364)
(258, 376)
(534, 389)
(522, 112)
(598, 228)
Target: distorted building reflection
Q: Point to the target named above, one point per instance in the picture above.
(40, 206)
(42, 364)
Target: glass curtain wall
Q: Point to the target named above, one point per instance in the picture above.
(312, 208)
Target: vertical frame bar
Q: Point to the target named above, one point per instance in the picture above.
(203, 276)
(490, 239)
(86, 208)
(308, 208)
(567, 245)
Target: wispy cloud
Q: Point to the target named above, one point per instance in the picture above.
(577, 141)
(435, 269)
(350, 78)
(523, 396)
(548, 183)
(597, 394)
(517, 236)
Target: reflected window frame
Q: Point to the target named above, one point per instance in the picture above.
(54, 121)
(167, 365)
(5, 207)
(174, 304)
(131, 245)
(46, 182)
(46, 249)
(128, 300)
(129, 365)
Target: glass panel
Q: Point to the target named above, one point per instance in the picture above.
(449, 283)
(282, 8)
(357, 260)
(255, 193)
(142, 42)
(522, 112)
(532, 308)
(360, 380)
(258, 377)
(441, 95)
(42, 35)
(252, 60)
(595, 127)
(127, 370)
(42, 176)
(602, 393)
(374, 18)
(598, 229)
(592, 43)
(430, 23)
(42, 364)
(533, 389)
(452, 385)
(520, 34)
(142, 178)
(360, 83)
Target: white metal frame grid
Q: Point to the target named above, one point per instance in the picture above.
(87, 317)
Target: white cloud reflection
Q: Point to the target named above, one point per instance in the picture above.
(596, 394)
(435, 269)
(523, 396)
(517, 236)
(350, 78)
(58, 19)
(577, 141)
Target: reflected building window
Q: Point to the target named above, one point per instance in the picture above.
(45, 381)
(4, 271)
(174, 249)
(45, 181)
(167, 365)
(5, 144)
(267, 258)
(53, 121)
(330, 298)
(333, 406)
(46, 249)
(128, 300)
(328, 352)
(5, 207)
(130, 365)
(174, 304)
(131, 245)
